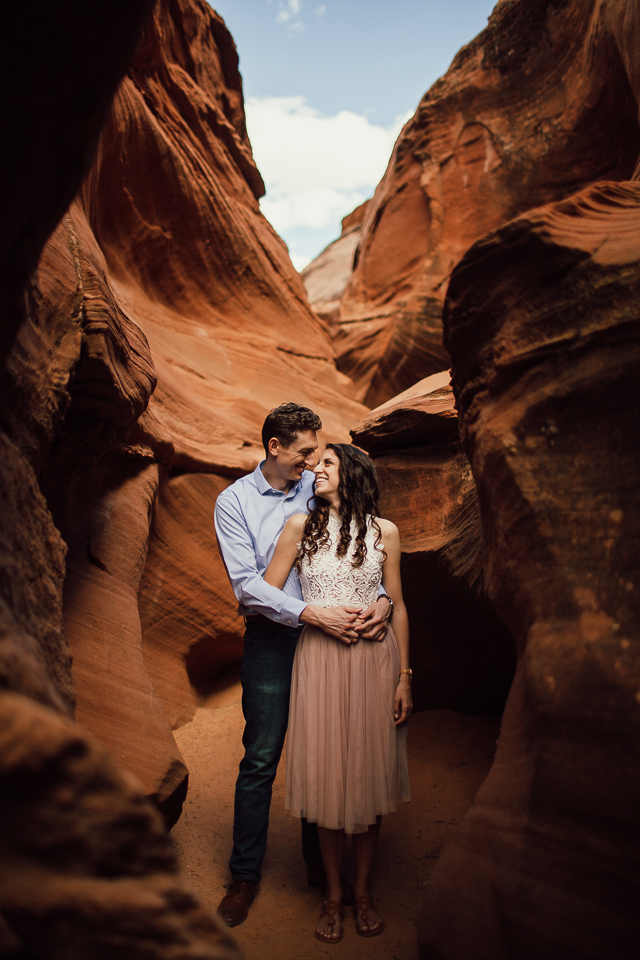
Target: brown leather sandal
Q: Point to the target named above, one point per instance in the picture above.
(362, 906)
(331, 909)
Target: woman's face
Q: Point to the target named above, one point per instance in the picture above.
(327, 475)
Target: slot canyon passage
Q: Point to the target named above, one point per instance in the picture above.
(475, 329)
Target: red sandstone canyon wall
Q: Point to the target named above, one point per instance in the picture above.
(326, 277)
(540, 104)
(541, 321)
(144, 341)
(194, 324)
(146, 338)
(541, 329)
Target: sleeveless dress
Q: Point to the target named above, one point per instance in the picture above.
(346, 759)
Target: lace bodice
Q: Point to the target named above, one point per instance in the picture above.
(329, 581)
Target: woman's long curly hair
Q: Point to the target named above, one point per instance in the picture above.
(358, 492)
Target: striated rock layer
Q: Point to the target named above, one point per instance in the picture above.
(326, 277)
(172, 204)
(87, 868)
(177, 321)
(462, 654)
(542, 325)
(543, 102)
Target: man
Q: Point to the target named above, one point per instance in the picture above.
(249, 517)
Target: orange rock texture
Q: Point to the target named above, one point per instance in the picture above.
(326, 277)
(143, 344)
(540, 104)
(194, 325)
(541, 321)
(87, 867)
(150, 317)
(462, 653)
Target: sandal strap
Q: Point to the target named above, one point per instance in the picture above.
(362, 905)
(329, 909)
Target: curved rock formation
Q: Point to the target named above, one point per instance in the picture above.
(164, 320)
(542, 325)
(169, 320)
(462, 653)
(540, 104)
(187, 607)
(87, 866)
(326, 277)
(211, 289)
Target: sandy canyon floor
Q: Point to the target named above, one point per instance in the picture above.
(449, 756)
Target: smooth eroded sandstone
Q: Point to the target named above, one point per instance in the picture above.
(542, 325)
(326, 277)
(540, 104)
(87, 869)
(164, 320)
(59, 69)
(191, 627)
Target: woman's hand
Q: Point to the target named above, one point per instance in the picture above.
(372, 624)
(403, 702)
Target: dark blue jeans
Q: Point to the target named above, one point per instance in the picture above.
(267, 660)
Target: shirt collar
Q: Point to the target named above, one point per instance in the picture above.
(265, 487)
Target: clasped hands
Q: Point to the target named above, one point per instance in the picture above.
(350, 623)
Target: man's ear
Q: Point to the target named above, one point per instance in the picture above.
(274, 446)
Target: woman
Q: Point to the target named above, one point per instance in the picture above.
(346, 743)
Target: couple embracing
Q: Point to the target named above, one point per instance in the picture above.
(317, 576)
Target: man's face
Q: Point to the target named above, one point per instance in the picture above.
(292, 461)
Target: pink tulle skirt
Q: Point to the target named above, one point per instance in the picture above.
(346, 760)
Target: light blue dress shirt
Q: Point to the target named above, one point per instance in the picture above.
(249, 517)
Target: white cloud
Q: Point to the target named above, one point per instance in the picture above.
(288, 11)
(316, 168)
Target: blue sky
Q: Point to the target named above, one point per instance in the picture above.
(327, 86)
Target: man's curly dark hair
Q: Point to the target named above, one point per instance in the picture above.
(286, 422)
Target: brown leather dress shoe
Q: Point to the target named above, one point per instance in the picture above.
(234, 906)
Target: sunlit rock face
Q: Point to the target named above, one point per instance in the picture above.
(194, 324)
(541, 322)
(87, 868)
(142, 346)
(326, 277)
(462, 654)
(540, 104)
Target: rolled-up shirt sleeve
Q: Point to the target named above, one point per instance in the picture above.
(239, 557)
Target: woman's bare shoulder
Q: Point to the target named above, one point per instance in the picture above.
(296, 522)
(387, 528)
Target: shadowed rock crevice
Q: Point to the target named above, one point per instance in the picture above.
(545, 352)
(462, 653)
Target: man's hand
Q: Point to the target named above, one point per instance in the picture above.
(339, 622)
(372, 624)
